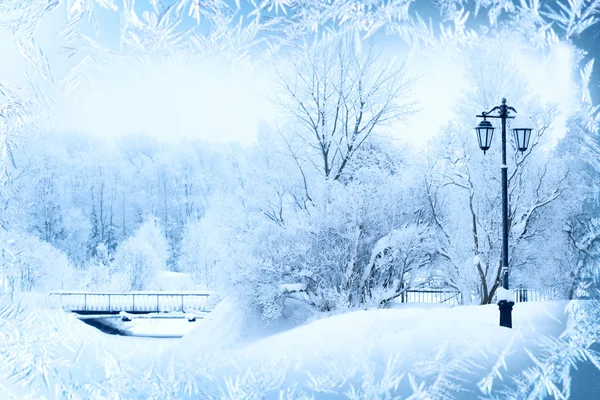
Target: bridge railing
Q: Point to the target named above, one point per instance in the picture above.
(134, 301)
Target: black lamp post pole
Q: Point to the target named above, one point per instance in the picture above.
(504, 306)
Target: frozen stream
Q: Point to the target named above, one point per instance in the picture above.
(158, 328)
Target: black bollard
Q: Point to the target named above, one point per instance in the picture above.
(506, 313)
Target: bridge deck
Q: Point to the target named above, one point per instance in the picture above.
(133, 302)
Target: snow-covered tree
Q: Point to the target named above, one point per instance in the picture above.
(196, 255)
(339, 97)
(151, 232)
(139, 258)
(323, 251)
(398, 262)
(34, 264)
(318, 192)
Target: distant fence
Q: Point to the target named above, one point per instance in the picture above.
(453, 297)
(529, 295)
(134, 302)
(432, 296)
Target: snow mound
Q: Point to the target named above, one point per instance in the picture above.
(229, 326)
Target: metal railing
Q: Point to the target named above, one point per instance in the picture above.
(431, 296)
(523, 295)
(453, 297)
(134, 301)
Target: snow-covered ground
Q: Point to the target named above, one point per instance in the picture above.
(421, 350)
(450, 350)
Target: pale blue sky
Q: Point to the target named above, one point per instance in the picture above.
(221, 102)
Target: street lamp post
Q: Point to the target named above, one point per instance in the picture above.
(485, 132)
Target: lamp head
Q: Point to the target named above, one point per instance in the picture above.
(523, 126)
(485, 132)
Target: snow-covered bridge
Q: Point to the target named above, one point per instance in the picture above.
(134, 302)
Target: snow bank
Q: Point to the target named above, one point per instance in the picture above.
(222, 328)
(229, 326)
(466, 342)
